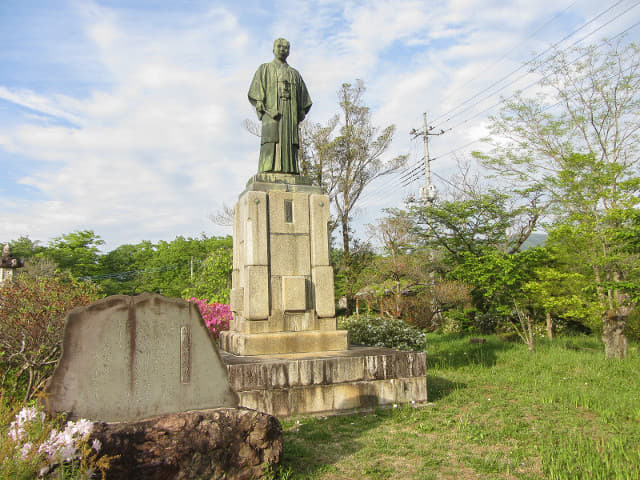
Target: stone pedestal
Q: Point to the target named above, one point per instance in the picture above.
(283, 352)
(358, 379)
(6, 274)
(282, 292)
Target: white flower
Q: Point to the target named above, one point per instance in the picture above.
(23, 417)
(24, 451)
(67, 453)
(15, 432)
(83, 427)
(96, 445)
(26, 415)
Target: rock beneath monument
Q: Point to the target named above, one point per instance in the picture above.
(213, 444)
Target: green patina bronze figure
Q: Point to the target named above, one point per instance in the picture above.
(281, 100)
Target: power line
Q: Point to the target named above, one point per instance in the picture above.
(122, 276)
(522, 42)
(538, 80)
(530, 61)
(413, 173)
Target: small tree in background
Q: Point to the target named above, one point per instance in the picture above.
(32, 312)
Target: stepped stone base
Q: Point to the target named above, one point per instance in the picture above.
(361, 378)
(239, 343)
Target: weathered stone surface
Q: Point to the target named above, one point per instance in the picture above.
(298, 222)
(360, 378)
(290, 255)
(319, 226)
(128, 358)
(322, 277)
(294, 294)
(282, 299)
(278, 342)
(210, 444)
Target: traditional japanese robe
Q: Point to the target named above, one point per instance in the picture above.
(282, 101)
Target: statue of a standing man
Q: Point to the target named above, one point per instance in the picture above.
(281, 100)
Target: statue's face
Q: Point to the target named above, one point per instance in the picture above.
(281, 50)
(6, 250)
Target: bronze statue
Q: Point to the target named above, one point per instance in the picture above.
(281, 100)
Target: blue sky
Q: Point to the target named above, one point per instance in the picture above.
(124, 117)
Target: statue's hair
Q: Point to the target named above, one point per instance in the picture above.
(277, 40)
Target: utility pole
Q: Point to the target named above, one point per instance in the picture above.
(427, 196)
(428, 192)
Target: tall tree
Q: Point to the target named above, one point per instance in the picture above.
(344, 163)
(579, 145)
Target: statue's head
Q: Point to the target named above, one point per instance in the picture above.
(281, 48)
(6, 251)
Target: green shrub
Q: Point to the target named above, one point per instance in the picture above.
(633, 325)
(383, 332)
(32, 311)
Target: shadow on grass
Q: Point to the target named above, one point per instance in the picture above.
(313, 445)
(438, 387)
(455, 351)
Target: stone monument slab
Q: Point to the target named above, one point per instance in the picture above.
(129, 358)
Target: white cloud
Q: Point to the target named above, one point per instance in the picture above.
(155, 146)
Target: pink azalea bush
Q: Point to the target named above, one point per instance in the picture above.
(216, 316)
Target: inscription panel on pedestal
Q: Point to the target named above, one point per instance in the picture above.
(290, 255)
(288, 212)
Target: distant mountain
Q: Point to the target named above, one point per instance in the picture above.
(534, 240)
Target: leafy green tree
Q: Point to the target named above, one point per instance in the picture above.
(172, 268)
(560, 294)
(399, 278)
(475, 222)
(76, 252)
(25, 248)
(348, 282)
(498, 283)
(121, 270)
(582, 152)
(476, 227)
(212, 281)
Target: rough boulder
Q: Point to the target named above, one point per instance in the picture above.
(224, 443)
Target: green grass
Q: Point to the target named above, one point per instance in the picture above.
(496, 412)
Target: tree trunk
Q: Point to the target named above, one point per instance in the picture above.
(346, 259)
(615, 342)
(530, 333)
(549, 326)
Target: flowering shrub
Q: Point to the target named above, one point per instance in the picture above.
(34, 445)
(32, 312)
(216, 316)
(383, 332)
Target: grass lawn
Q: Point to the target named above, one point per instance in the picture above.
(496, 411)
